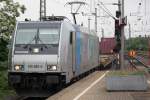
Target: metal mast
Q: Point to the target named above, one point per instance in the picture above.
(42, 9)
(122, 35)
(89, 24)
(96, 20)
(129, 30)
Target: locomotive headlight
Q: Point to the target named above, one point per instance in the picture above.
(51, 67)
(19, 67)
(54, 67)
(36, 50)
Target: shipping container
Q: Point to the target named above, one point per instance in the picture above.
(107, 45)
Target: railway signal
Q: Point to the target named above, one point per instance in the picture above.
(117, 32)
(117, 35)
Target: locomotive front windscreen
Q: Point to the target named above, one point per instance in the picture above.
(37, 35)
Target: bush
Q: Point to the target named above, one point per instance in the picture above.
(138, 43)
(125, 73)
(3, 50)
(5, 90)
(3, 66)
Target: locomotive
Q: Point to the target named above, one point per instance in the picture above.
(50, 53)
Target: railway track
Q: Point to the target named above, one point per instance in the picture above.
(137, 59)
(29, 98)
(132, 64)
(23, 98)
(108, 64)
(57, 90)
(15, 98)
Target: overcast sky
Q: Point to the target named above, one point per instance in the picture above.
(133, 11)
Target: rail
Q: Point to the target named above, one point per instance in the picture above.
(132, 64)
(138, 60)
(146, 66)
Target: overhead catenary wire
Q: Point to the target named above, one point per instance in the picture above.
(106, 8)
(107, 12)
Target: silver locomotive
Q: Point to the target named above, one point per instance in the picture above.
(47, 54)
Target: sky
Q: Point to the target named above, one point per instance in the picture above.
(138, 15)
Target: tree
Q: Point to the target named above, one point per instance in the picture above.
(8, 13)
(9, 10)
(138, 43)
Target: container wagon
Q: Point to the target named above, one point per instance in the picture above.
(106, 47)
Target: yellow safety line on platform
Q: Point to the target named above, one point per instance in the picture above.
(94, 83)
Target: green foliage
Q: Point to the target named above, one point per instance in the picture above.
(3, 66)
(138, 43)
(8, 13)
(9, 10)
(126, 73)
(3, 50)
(5, 90)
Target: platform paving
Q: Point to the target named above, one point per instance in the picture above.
(88, 89)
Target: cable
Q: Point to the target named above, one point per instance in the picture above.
(108, 13)
(106, 10)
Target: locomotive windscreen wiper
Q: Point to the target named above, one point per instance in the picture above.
(26, 45)
(37, 39)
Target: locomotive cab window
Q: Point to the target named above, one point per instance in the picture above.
(24, 36)
(27, 33)
(40, 37)
(49, 36)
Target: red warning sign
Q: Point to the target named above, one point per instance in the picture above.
(132, 53)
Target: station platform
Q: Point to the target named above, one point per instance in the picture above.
(93, 87)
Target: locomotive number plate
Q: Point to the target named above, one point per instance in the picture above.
(35, 68)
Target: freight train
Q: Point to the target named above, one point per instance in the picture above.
(50, 53)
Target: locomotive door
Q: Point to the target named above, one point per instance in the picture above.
(73, 45)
